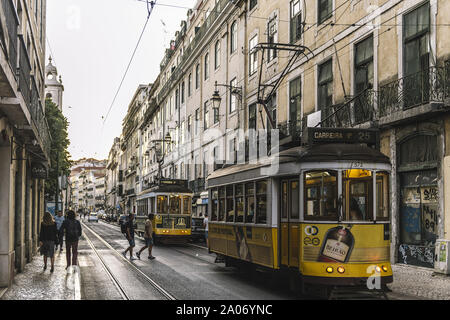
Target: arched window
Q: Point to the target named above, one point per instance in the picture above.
(217, 54)
(207, 66)
(48, 95)
(233, 38)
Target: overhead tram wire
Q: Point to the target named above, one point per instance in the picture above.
(150, 6)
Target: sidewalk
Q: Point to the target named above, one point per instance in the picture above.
(36, 284)
(420, 283)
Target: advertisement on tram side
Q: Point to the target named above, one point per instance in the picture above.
(345, 243)
(252, 244)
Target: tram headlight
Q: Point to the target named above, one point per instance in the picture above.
(378, 269)
(385, 269)
(340, 269)
(329, 269)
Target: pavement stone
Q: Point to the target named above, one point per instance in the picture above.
(36, 284)
(420, 282)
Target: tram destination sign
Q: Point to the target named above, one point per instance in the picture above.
(342, 135)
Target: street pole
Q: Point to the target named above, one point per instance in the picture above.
(57, 182)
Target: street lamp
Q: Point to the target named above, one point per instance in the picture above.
(216, 99)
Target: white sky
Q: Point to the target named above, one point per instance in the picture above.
(92, 42)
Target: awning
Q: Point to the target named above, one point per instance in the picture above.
(204, 195)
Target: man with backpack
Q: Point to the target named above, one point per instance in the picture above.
(72, 229)
(148, 236)
(128, 226)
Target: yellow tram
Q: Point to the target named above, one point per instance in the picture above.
(171, 203)
(320, 212)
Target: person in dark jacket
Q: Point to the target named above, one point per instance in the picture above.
(47, 239)
(71, 228)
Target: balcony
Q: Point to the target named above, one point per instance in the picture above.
(197, 186)
(12, 23)
(424, 92)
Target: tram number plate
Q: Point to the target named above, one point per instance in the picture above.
(357, 164)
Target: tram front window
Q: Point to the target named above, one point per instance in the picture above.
(162, 204)
(174, 204)
(321, 201)
(383, 196)
(187, 202)
(357, 186)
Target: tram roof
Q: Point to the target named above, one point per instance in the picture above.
(316, 153)
(166, 189)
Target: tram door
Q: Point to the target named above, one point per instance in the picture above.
(290, 225)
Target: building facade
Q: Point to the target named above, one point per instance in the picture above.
(287, 65)
(24, 135)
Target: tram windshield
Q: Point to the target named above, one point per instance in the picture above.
(357, 186)
(162, 204)
(174, 204)
(321, 201)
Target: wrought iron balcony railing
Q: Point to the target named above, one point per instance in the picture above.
(24, 72)
(428, 85)
(12, 24)
(197, 185)
(290, 128)
(39, 119)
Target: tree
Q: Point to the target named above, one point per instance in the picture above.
(59, 155)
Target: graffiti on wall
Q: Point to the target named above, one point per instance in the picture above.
(416, 255)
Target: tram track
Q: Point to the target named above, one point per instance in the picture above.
(115, 280)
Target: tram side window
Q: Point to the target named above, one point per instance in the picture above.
(215, 203)
(187, 203)
(261, 202)
(239, 202)
(321, 201)
(152, 205)
(162, 204)
(284, 202)
(357, 185)
(222, 204)
(230, 204)
(249, 202)
(383, 196)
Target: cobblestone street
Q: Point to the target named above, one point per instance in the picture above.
(36, 284)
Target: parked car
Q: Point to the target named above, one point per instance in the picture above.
(197, 230)
(93, 216)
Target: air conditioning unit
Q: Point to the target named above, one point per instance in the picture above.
(441, 257)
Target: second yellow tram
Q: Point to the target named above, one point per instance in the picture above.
(171, 203)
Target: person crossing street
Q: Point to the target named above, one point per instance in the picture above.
(130, 236)
(148, 237)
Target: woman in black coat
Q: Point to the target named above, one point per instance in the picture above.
(47, 239)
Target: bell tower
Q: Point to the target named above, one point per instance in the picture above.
(53, 87)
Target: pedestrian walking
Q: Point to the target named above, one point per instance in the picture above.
(205, 225)
(59, 219)
(72, 230)
(129, 225)
(47, 239)
(148, 237)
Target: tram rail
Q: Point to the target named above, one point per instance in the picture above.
(154, 284)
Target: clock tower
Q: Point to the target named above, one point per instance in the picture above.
(53, 87)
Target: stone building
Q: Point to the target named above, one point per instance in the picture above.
(291, 64)
(113, 180)
(24, 135)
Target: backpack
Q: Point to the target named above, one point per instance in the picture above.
(72, 230)
(123, 225)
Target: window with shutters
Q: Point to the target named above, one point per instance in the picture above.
(272, 37)
(325, 10)
(296, 21)
(325, 85)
